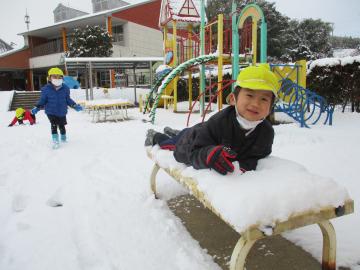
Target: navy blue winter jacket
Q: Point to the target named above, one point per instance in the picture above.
(55, 101)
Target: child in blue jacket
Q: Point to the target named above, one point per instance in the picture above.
(55, 97)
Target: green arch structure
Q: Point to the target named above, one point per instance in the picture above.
(176, 71)
(256, 13)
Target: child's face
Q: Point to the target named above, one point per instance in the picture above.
(253, 105)
(55, 76)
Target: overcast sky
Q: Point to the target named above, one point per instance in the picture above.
(345, 14)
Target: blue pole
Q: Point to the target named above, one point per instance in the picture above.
(202, 52)
(235, 43)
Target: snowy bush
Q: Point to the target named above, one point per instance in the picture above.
(337, 79)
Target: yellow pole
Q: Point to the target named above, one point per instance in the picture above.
(254, 39)
(220, 58)
(175, 61)
(140, 103)
(189, 52)
(109, 25)
(210, 39)
(302, 73)
(165, 37)
(65, 47)
(63, 33)
(112, 72)
(189, 43)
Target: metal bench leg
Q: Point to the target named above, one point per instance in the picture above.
(105, 111)
(329, 245)
(153, 179)
(122, 112)
(240, 252)
(126, 114)
(113, 113)
(94, 115)
(98, 112)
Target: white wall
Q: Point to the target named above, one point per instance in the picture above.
(54, 59)
(140, 41)
(121, 51)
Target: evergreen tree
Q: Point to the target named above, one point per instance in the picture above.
(278, 24)
(215, 7)
(311, 39)
(316, 34)
(93, 41)
(288, 40)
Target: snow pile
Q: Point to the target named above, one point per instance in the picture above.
(286, 188)
(108, 214)
(334, 61)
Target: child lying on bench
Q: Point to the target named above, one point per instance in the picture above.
(238, 133)
(294, 198)
(279, 197)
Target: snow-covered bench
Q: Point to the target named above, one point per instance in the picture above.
(107, 109)
(279, 196)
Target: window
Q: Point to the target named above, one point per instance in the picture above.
(104, 77)
(118, 34)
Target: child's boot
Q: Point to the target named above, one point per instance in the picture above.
(150, 137)
(63, 138)
(171, 132)
(55, 139)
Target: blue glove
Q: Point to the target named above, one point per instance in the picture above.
(35, 110)
(78, 108)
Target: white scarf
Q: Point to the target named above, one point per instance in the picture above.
(246, 124)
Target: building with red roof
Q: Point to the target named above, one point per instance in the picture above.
(134, 29)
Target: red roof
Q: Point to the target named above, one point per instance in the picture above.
(146, 14)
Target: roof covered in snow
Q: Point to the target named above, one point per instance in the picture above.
(181, 11)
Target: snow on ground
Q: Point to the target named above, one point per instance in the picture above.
(109, 218)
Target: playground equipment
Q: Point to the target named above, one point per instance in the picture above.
(303, 105)
(173, 74)
(255, 13)
(295, 100)
(159, 79)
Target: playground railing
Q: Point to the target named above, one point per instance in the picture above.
(303, 105)
(226, 83)
(187, 51)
